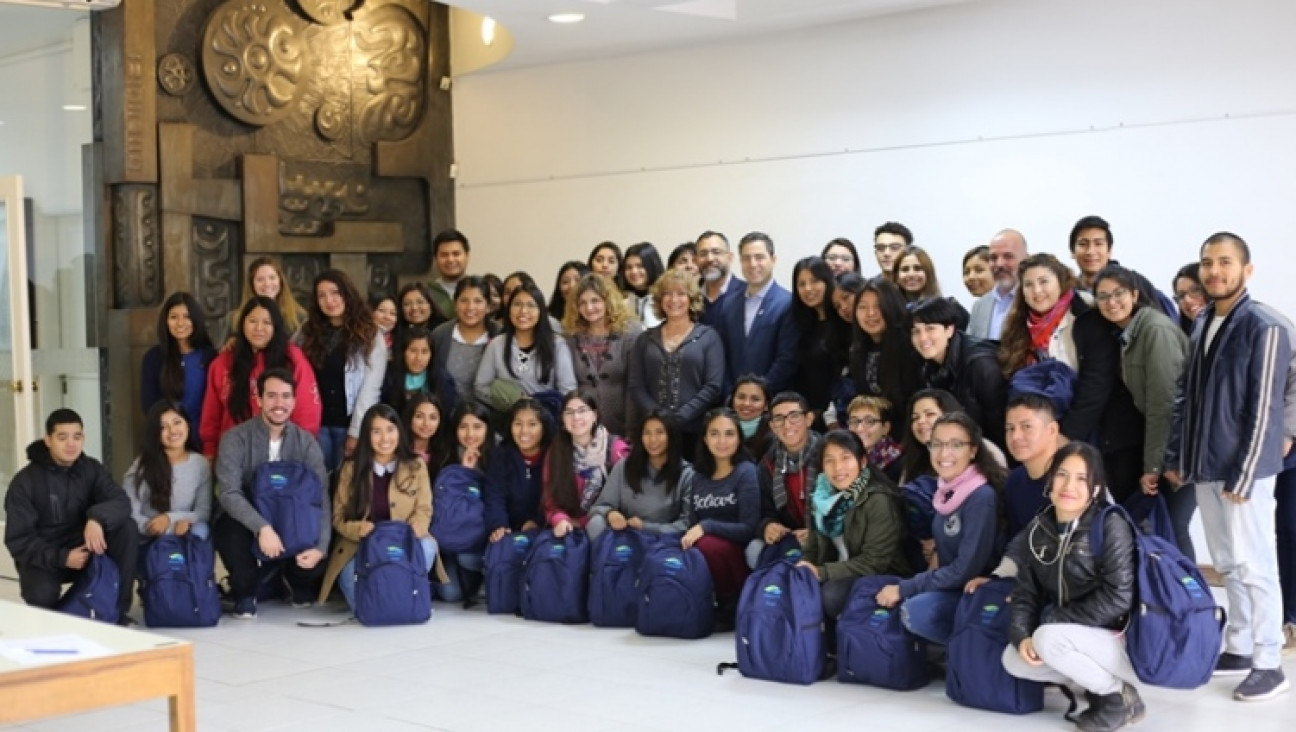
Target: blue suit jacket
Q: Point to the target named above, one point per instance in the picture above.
(769, 350)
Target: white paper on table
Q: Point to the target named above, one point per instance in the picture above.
(51, 649)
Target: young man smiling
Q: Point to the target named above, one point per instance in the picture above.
(787, 474)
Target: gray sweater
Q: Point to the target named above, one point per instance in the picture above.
(611, 381)
(701, 374)
(191, 493)
(459, 360)
(245, 448)
(660, 508)
(494, 365)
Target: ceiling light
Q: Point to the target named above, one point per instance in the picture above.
(488, 31)
(74, 107)
(566, 17)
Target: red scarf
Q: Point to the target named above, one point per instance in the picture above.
(1041, 327)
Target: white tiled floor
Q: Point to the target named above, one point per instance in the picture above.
(468, 671)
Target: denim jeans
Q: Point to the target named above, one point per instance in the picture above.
(332, 442)
(930, 616)
(455, 564)
(347, 580)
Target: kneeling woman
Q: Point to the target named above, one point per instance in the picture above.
(1076, 638)
(169, 486)
(856, 523)
(384, 481)
(579, 460)
(965, 527)
(724, 510)
(647, 490)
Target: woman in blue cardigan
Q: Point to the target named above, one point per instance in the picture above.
(176, 368)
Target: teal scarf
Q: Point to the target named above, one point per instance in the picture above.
(831, 505)
(749, 427)
(415, 382)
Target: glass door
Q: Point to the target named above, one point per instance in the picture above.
(16, 403)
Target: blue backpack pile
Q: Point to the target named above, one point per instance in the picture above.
(873, 646)
(289, 495)
(94, 592)
(975, 676)
(179, 585)
(458, 510)
(779, 633)
(614, 579)
(676, 596)
(504, 561)
(392, 585)
(555, 579)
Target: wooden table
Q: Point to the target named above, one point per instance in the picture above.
(139, 666)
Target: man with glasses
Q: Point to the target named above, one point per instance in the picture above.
(1007, 250)
(889, 240)
(788, 473)
(718, 283)
(1091, 244)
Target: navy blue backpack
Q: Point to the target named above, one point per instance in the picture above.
(676, 597)
(179, 583)
(919, 511)
(290, 497)
(1151, 515)
(779, 632)
(614, 577)
(94, 592)
(975, 676)
(787, 549)
(504, 561)
(458, 509)
(1176, 629)
(873, 646)
(392, 585)
(555, 579)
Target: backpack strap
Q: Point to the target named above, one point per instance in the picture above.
(348, 620)
(722, 667)
(1070, 714)
(1098, 530)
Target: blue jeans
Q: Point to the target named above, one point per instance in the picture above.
(455, 564)
(332, 442)
(930, 616)
(347, 580)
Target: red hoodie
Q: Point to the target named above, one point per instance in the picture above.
(216, 418)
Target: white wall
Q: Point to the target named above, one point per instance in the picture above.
(1171, 118)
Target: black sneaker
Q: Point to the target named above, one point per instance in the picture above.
(1231, 664)
(245, 608)
(1262, 684)
(297, 600)
(127, 621)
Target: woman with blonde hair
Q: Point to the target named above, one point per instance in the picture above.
(601, 333)
(265, 278)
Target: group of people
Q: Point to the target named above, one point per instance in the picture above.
(674, 397)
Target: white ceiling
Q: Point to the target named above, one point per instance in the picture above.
(616, 27)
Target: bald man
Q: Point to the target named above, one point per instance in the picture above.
(1007, 250)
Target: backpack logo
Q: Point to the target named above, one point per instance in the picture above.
(556, 549)
(879, 617)
(989, 612)
(521, 543)
(672, 564)
(771, 594)
(474, 491)
(1191, 585)
(395, 554)
(176, 562)
(793, 554)
(278, 482)
(624, 553)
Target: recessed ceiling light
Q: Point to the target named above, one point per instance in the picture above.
(74, 107)
(488, 31)
(567, 17)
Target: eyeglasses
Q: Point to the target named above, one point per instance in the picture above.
(792, 418)
(1190, 292)
(952, 445)
(577, 412)
(834, 258)
(857, 422)
(1116, 294)
(522, 306)
(884, 248)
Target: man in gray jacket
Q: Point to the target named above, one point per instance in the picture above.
(268, 437)
(1007, 250)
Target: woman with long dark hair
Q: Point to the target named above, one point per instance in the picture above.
(412, 372)
(725, 509)
(821, 352)
(383, 307)
(579, 460)
(605, 259)
(601, 334)
(458, 346)
(568, 275)
(1189, 295)
(639, 272)
(169, 485)
(915, 273)
(261, 343)
(883, 361)
(349, 356)
(646, 491)
(841, 256)
(383, 481)
(515, 491)
(750, 401)
(965, 526)
(176, 368)
(528, 357)
(423, 417)
(472, 445)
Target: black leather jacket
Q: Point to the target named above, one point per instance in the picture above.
(1081, 588)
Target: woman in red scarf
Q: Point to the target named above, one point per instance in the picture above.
(1051, 320)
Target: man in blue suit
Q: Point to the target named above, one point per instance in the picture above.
(756, 325)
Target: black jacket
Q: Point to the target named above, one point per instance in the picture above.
(47, 507)
(1083, 587)
(1098, 375)
(971, 373)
